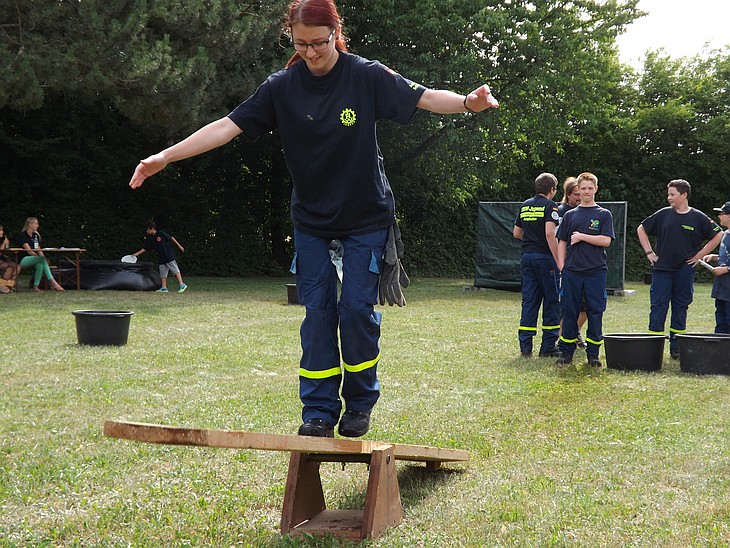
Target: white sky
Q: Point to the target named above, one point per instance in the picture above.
(681, 27)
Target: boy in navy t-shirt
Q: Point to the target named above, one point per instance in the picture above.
(583, 236)
(680, 231)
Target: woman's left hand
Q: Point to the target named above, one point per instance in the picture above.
(481, 99)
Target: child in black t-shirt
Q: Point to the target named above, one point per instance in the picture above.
(159, 241)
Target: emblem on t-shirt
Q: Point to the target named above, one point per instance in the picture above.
(595, 224)
(348, 117)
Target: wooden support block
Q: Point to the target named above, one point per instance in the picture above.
(303, 497)
(305, 511)
(383, 507)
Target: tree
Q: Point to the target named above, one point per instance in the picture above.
(96, 85)
(552, 65)
(165, 66)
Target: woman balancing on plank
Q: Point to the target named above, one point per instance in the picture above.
(325, 105)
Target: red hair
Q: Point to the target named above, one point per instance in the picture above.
(314, 13)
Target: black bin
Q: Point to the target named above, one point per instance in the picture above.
(102, 327)
(704, 353)
(634, 351)
(291, 294)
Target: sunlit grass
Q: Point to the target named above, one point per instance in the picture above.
(575, 456)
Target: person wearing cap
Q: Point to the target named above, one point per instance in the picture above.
(721, 284)
(679, 230)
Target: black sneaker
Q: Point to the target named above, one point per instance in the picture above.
(564, 361)
(552, 353)
(354, 424)
(317, 428)
(674, 354)
(580, 343)
(526, 354)
(595, 362)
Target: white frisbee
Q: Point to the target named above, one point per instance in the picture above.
(129, 259)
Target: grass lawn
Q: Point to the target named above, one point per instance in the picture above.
(559, 457)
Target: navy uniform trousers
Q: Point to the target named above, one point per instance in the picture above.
(320, 372)
(675, 287)
(540, 281)
(577, 287)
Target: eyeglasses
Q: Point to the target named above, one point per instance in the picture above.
(316, 46)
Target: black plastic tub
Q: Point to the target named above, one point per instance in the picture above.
(704, 353)
(634, 351)
(291, 294)
(102, 327)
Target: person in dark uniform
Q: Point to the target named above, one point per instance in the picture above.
(325, 105)
(680, 231)
(161, 242)
(535, 225)
(721, 272)
(583, 236)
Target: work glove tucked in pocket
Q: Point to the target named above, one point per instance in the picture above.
(393, 275)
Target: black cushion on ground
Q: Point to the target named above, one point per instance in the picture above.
(97, 274)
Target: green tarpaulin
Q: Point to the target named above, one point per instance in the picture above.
(498, 252)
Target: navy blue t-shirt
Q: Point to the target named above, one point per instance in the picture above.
(594, 220)
(160, 243)
(328, 130)
(563, 208)
(679, 236)
(534, 214)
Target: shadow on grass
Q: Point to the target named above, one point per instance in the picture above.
(417, 483)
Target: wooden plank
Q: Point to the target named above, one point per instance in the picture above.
(238, 439)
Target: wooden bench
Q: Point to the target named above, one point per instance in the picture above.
(304, 509)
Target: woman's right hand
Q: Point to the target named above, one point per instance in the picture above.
(147, 168)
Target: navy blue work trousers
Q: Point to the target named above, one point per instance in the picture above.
(675, 288)
(540, 282)
(577, 287)
(320, 372)
(722, 316)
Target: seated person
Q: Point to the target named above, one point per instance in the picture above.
(7, 265)
(30, 241)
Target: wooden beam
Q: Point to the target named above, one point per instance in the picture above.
(237, 439)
